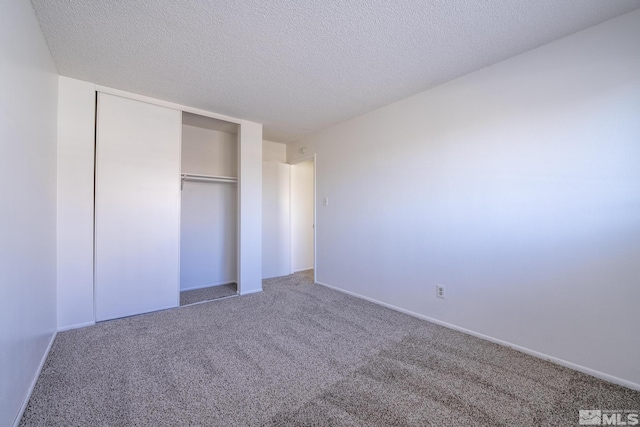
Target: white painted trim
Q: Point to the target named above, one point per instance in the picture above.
(208, 286)
(75, 326)
(238, 210)
(315, 219)
(253, 291)
(303, 269)
(179, 203)
(149, 100)
(539, 355)
(290, 220)
(16, 422)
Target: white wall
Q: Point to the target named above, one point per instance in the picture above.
(250, 216)
(28, 103)
(209, 152)
(517, 187)
(274, 151)
(208, 230)
(76, 119)
(301, 150)
(302, 216)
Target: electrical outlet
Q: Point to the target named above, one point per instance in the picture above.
(440, 291)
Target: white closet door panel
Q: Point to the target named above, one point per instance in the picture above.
(137, 246)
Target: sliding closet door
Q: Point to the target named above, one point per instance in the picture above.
(137, 242)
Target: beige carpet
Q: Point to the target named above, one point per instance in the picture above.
(299, 354)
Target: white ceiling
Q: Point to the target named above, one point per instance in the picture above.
(298, 66)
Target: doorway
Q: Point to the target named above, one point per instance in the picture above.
(303, 216)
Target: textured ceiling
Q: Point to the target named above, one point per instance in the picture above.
(298, 66)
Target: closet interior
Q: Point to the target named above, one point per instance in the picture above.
(209, 209)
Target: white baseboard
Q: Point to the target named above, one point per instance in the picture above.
(534, 353)
(228, 282)
(303, 269)
(75, 326)
(16, 422)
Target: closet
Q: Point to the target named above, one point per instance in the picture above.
(208, 223)
(166, 209)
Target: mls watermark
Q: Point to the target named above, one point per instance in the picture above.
(601, 417)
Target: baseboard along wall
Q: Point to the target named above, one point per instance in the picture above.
(537, 354)
(16, 422)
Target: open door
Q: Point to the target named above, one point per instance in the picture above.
(303, 215)
(276, 219)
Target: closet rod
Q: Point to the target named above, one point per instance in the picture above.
(208, 178)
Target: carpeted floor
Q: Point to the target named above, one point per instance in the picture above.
(299, 354)
(208, 294)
